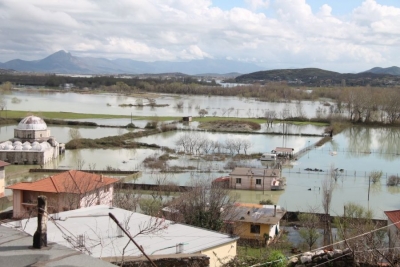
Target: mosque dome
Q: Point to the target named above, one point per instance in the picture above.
(32, 123)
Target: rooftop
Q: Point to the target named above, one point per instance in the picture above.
(16, 251)
(103, 239)
(255, 213)
(72, 181)
(32, 123)
(394, 217)
(255, 172)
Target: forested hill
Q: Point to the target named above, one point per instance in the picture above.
(319, 77)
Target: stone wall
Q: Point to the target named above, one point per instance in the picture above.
(174, 260)
(323, 258)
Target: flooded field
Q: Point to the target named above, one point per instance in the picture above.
(356, 151)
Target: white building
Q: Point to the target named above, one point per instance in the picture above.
(93, 232)
(32, 143)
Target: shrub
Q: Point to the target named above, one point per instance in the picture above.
(266, 202)
(393, 180)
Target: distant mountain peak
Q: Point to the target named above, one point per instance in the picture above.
(394, 70)
(64, 62)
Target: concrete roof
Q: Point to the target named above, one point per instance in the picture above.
(255, 213)
(32, 123)
(103, 239)
(16, 251)
(256, 172)
(72, 181)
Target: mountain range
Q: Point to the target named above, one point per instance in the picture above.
(66, 63)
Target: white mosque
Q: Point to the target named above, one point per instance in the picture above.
(32, 143)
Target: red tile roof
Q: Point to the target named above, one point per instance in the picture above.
(394, 217)
(3, 163)
(73, 181)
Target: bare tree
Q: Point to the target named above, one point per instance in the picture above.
(246, 145)
(203, 112)
(75, 136)
(327, 191)
(270, 116)
(179, 104)
(152, 102)
(205, 204)
(362, 234)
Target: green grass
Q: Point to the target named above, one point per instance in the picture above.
(212, 119)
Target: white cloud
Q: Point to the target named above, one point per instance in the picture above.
(258, 4)
(274, 32)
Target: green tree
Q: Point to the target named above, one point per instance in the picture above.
(309, 230)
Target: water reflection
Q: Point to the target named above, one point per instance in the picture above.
(109, 104)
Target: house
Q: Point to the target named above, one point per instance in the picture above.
(255, 222)
(2, 177)
(393, 228)
(187, 119)
(256, 179)
(92, 231)
(284, 152)
(65, 191)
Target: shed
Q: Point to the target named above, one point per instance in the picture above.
(187, 119)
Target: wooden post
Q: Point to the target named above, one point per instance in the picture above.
(40, 236)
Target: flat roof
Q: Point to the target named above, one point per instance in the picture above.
(256, 172)
(284, 149)
(256, 213)
(103, 239)
(16, 251)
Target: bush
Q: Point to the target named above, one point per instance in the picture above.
(277, 259)
(151, 125)
(393, 180)
(266, 202)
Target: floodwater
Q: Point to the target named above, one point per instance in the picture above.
(109, 104)
(358, 150)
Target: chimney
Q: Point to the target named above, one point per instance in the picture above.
(40, 236)
(274, 210)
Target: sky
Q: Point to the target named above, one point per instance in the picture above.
(337, 35)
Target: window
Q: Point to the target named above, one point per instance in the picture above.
(238, 180)
(254, 229)
(258, 181)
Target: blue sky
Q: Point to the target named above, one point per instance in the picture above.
(341, 35)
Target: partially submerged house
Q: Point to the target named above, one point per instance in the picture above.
(393, 228)
(283, 152)
(65, 191)
(32, 143)
(255, 222)
(93, 232)
(256, 179)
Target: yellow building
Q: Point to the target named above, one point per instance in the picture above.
(255, 222)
